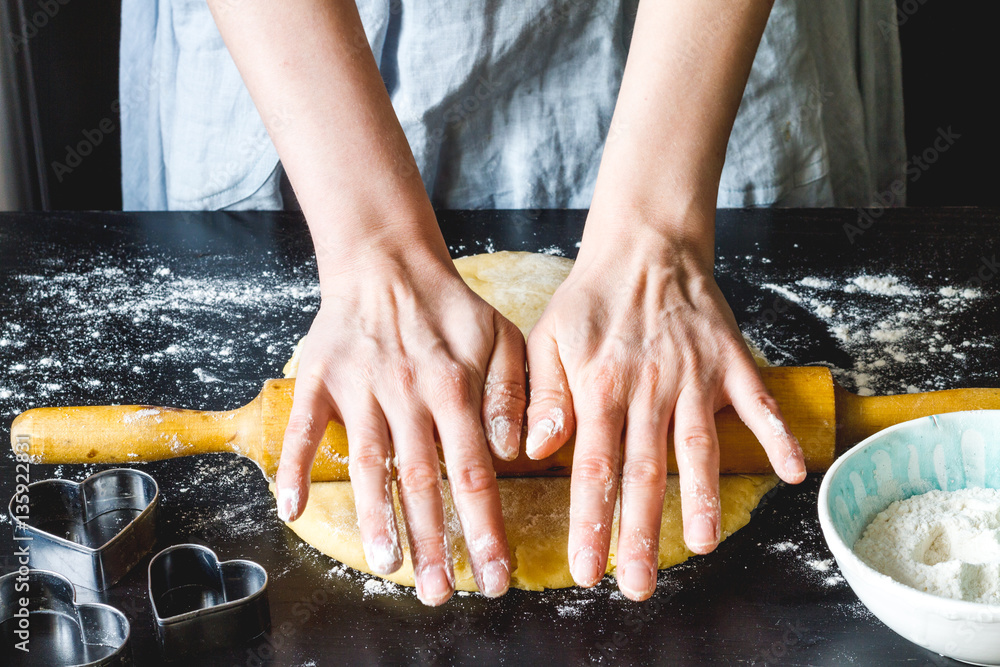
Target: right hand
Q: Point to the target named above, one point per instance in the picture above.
(401, 351)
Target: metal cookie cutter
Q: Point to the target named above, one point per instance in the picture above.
(201, 604)
(41, 624)
(92, 532)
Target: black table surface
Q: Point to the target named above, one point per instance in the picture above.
(198, 309)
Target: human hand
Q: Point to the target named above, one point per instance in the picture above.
(639, 333)
(401, 351)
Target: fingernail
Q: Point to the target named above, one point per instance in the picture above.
(495, 577)
(383, 555)
(702, 533)
(538, 434)
(636, 579)
(288, 503)
(434, 585)
(586, 569)
(795, 467)
(502, 437)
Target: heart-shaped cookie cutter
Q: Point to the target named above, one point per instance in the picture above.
(91, 532)
(200, 603)
(42, 624)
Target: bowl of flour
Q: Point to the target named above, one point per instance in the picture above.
(912, 516)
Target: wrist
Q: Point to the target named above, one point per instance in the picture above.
(619, 230)
(373, 244)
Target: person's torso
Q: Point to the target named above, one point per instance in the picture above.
(507, 104)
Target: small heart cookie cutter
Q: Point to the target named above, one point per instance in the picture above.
(42, 624)
(200, 603)
(91, 532)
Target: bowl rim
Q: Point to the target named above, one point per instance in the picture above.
(841, 550)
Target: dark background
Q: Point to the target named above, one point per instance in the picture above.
(950, 55)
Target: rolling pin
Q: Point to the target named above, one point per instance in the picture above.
(826, 418)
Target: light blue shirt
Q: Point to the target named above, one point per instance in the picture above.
(507, 103)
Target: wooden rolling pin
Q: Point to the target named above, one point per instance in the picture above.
(826, 418)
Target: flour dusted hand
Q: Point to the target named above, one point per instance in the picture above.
(401, 351)
(636, 335)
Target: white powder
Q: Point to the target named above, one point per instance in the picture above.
(886, 335)
(900, 337)
(816, 283)
(574, 608)
(777, 426)
(821, 309)
(381, 587)
(946, 543)
(205, 376)
(116, 321)
(140, 415)
(887, 285)
(815, 569)
(785, 292)
(820, 565)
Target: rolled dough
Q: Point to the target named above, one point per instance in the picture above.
(536, 510)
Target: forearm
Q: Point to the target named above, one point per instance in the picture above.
(312, 76)
(687, 67)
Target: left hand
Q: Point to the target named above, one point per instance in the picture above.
(639, 333)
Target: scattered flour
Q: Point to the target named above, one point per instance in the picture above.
(820, 565)
(784, 292)
(821, 570)
(376, 586)
(894, 331)
(816, 283)
(574, 608)
(116, 322)
(887, 285)
(946, 543)
(553, 250)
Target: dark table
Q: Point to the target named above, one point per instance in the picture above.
(197, 309)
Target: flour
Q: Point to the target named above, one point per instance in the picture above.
(888, 285)
(553, 250)
(816, 283)
(946, 543)
(817, 570)
(574, 608)
(114, 323)
(895, 331)
(377, 586)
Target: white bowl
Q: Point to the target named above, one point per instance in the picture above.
(948, 452)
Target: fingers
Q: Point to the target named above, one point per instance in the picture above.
(760, 412)
(418, 477)
(696, 447)
(594, 489)
(311, 412)
(644, 480)
(370, 465)
(503, 396)
(550, 410)
(473, 482)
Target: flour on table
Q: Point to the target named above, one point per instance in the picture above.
(115, 321)
(810, 565)
(894, 331)
(375, 586)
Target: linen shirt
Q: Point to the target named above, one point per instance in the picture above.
(507, 104)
